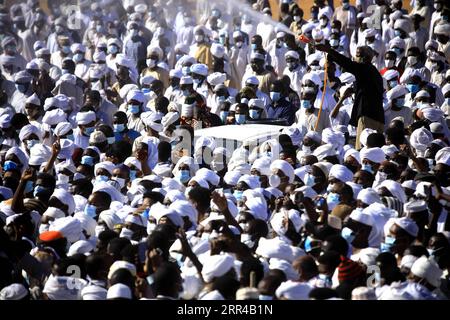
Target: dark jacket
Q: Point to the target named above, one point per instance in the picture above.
(282, 109)
(368, 88)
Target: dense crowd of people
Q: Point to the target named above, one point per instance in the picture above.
(105, 193)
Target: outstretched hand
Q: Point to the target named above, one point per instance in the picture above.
(323, 47)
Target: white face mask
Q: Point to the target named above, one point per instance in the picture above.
(412, 60)
(151, 63)
(120, 181)
(63, 178)
(150, 227)
(389, 63)
(43, 228)
(247, 240)
(198, 38)
(274, 180)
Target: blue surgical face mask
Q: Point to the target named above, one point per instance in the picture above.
(253, 113)
(133, 174)
(388, 243)
(70, 137)
(65, 49)
(21, 88)
(400, 102)
(119, 127)
(240, 118)
(78, 57)
(333, 198)
(31, 143)
(310, 180)
(89, 130)
(87, 160)
(113, 49)
(393, 83)
(305, 104)
(101, 178)
(29, 187)
(111, 140)
(133, 108)
(9, 165)
(397, 33)
(265, 297)
(90, 210)
(413, 88)
(223, 116)
(348, 235)
(184, 176)
(254, 46)
(367, 167)
(146, 90)
(38, 190)
(186, 93)
(275, 96)
(238, 194)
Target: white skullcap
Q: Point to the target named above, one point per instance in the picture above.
(15, 291)
(259, 103)
(313, 77)
(147, 80)
(83, 118)
(443, 156)
(370, 32)
(175, 73)
(216, 78)
(62, 128)
(427, 268)
(341, 173)
(410, 184)
(232, 177)
(390, 150)
(347, 78)
(119, 290)
(407, 224)
(421, 138)
(285, 167)
(395, 189)
(286, 267)
(422, 94)
(333, 137)
(51, 102)
(433, 114)
(353, 153)
(216, 266)
(29, 129)
(109, 218)
(315, 136)
(317, 34)
(442, 28)
(325, 167)
(70, 228)
(313, 57)
(19, 153)
(408, 261)
(409, 74)
(185, 209)
(369, 196)
(257, 207)
(365, 134)
(217, 50)
(66, 198)
(293, 132)
(252, 181)
(136, 95)
(121, 264)
(155, 50)
(362, 217)
(199, 68)
(373, 154)
(53, 117)
(186, 80)
(252, 80)
(391, 74)
(107, 165)
(292, 54)
(33, 99)
(396, 92)
(274, 248)
(325, 150)
(208, 175)
(39, 154)
(397, 42)
(80, 247)
(293, 290)
(446, 88)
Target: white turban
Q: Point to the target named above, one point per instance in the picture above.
(391, 74)
(428, 269)
(336, 138)
(364, 217)
(293, 290)
(83, 118)
(347, 78)
(232, 177)
(217, 50)
(33, 99)
(216, 266)
(390, 150)
(284, 266)
(208, 175)
(252, 181)
(62, 128)
(193, 167)
(341, 173)
(257, 207)
(407, 224)
(421, 138)
(433, 114)
(53, 117)
(292, 54)
(185, 209)
(275, 248)
(39, 154)
(109, 218)
(66, 198)
(29, 129)
(262, 165)
(313, 77)
(325, 150)
(373, 154)
(293, 132)
(353, 153)
(80, 247)
(395, 188)
(285, 167)
(365, 134)
(396, 92)
(199, 68)
(107, 165)
(23, 158)
(136, 95)
(70, 228)
(216, 78)
(369, 196)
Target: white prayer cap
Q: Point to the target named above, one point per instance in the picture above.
(77, 47)
(39, 154)
(22, 77)
(446, 88)
(421, 138)
(442, 28)
(175, 73)
(180, 47)
(286, 267)
(293, 290)
(114, 41)
(155, 50)
(292, 54)
(252, 80)
(396, 92)
(315, 136)
(443, 156)
(257, 56)
(365, 134)
(395, 188)
(146, 80)
(199, 68)
(51, 103)
(317, 34)
(352, 153)
(410, 184)
(370, 32)
(397, 42)
(122, 264)
(390, 150)
(363, 293)
(341, 173)
(369, 196)
(325, 150)
(33, 99)
(186, 80)
(274, 248)
(136, 95)
(66, 198)
(285, 167)
(62, 128)
(93, 292)
(258, 103)
(373, 154)
(257, 208)
(53, 117)
(307, 191)
(433, 114)
(313, 57)
(84, 118)
(415, 206)
(408, 261)
(136, 219)
(110, 218)
(185, 209)
(193, 167)
(347, 78)
(252, 181)
(216, 266)
(422, 94)
(81, 246)
(217, 50)
(293, 132)
(70, 228)
(19, 153)
(427, 268)
(324, 166)
(391, 74)
(362, 217)
(15, 291)
(231, 177)
(107, 165)
(29, 129)
(42, 52)
(5, 121)
(312, 76)
(409, 74)
(331, 136)
(216, 78)
(367, 256)
(208, 175)
(407, 224)
(119, 290)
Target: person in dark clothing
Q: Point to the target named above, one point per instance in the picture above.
(368, 109)
(281, 107)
